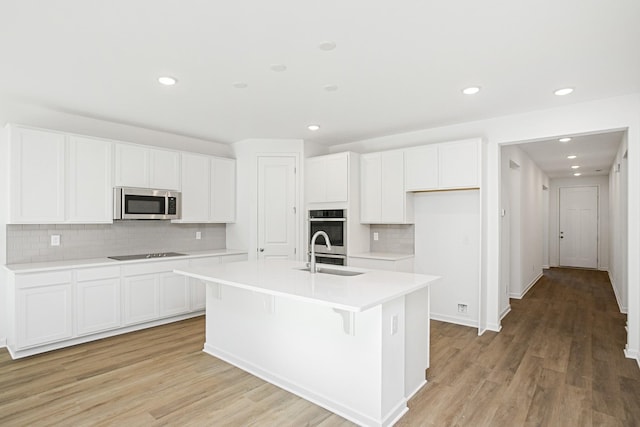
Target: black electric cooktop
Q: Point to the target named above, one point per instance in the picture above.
(145, 256)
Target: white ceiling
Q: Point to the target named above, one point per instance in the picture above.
(594, 154)
(398, 65)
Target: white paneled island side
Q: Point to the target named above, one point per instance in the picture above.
(357, 345)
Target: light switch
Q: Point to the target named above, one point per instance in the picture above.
(375, 236)
(198, 235)
(55, 240)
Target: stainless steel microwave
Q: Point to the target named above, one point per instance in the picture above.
(146, 203)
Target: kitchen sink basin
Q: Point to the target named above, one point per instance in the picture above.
(334, 271)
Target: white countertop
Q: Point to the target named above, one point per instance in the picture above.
(102, 262)
(385, 256)
(286, 279)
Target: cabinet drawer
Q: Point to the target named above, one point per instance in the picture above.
(153, 267)
(97, 273)
(43, 279)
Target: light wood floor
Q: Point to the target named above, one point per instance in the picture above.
(557, 362)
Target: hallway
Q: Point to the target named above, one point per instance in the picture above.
(558, 361)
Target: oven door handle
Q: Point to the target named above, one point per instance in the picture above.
(327, 219)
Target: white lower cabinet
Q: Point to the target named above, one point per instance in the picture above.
(44, 308)
(174, 294)
(98, 301)
(58, 308)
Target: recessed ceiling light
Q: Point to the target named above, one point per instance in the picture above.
(327, 45)
(571, 157)
(167, 80)
(577, 174)
(565, 139)
(331, 88)
(278, 68)
(313, 127)
(471, 90)
(575, 167)
(563, 91)
(240, 85)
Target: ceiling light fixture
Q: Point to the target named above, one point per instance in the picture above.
(331, 88)
(240, 85)
(563, 91)
(327, 45)
(278, 68)
(571, 157)
(167, 80)
(471, 90)
(575, 167)
(567, 139)
(577, 174)
(313, 128)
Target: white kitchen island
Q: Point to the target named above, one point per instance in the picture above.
(356, 345)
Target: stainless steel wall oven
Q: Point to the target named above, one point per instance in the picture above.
(334, 223)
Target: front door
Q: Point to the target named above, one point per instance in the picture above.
(276, 208)
(579, 227)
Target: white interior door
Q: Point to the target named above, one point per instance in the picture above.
(579, 227)
(276, 208)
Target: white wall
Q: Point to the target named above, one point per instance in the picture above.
(615, 113)
(447, 244)
(523, 199)
(602, 182)
(618, 230)
(31, 115)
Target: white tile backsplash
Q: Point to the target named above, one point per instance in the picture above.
(31, 242)
(394, 238)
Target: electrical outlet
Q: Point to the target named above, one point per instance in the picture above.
(55, 240)
(198, 235)
(394, 324)
(375, 236)
(462, 308)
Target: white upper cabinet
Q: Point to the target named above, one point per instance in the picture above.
(89, 180)
(223, 190)
(327, 178)
(459, 164)
(383, 199)
(445, 166)
(144, 167)
(421, 168)
(37, 176)
(195, 191)
(208, 189)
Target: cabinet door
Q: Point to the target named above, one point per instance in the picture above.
(421, 168)
(223, 190)
(174, 294)
(370, 188)
(97, 305)
(44, 315)
(195, 187)
(164, 169)
(140, 298)
(336, 174)
(37, 176)
(89, 184)
(132, 166)
(315, 175)
(459, 164)
(393, 196)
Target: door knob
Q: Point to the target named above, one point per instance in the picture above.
(261, 249)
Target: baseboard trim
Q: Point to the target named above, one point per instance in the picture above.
(527, 289)
(506, 311)
(633, 354)
(454, 319)
(621, 307)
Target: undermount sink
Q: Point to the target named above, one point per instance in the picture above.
(333, 271)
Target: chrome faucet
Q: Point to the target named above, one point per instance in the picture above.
(312, 265)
